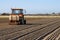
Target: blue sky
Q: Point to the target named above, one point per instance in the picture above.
(31, 6)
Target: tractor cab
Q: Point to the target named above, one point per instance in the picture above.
(17, 11)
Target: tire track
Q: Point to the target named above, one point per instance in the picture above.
(35, 29)
(34, 35)
(19, 28)
(12, 34)
(54, 35)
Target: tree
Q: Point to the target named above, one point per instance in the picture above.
(4, 14)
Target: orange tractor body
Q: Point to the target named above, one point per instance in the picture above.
(17, 17)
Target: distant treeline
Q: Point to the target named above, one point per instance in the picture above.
(46, 14)
(5, 14)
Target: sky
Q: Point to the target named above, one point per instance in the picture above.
(31, 6)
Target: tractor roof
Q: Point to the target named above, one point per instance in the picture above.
(16, 8)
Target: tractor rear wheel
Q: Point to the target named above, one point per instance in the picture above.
(24, 21)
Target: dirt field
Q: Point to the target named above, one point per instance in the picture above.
(35, 29)
(4, 22)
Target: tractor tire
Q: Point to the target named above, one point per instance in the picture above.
(24, 21)
(20, 21)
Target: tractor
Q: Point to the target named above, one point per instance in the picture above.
(17, 17)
